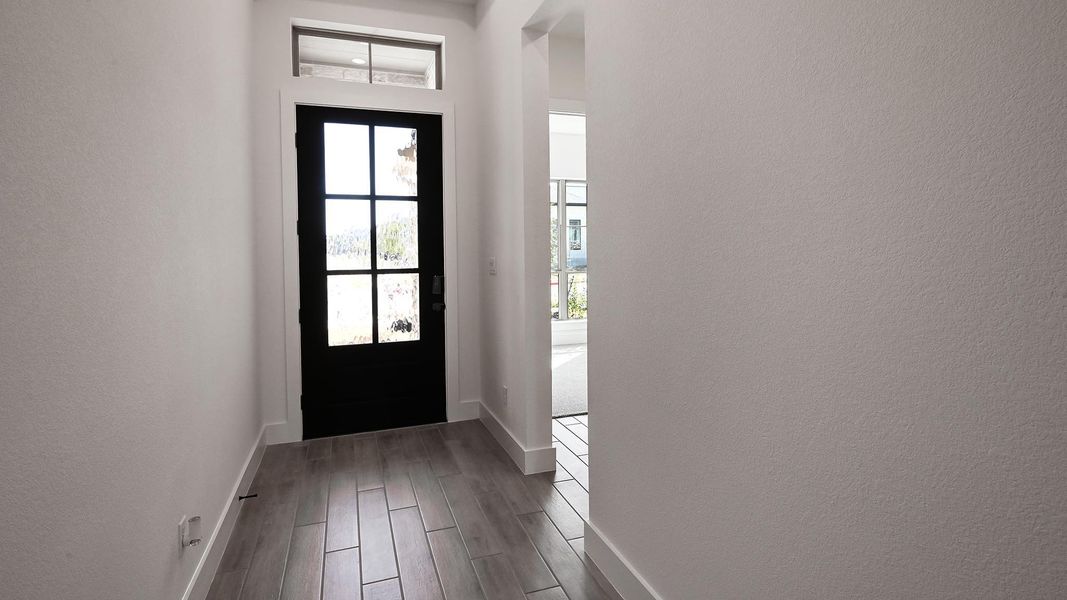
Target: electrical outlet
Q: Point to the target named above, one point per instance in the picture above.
(188, 531)
(183, 531)
(505, 395)
(492, 265)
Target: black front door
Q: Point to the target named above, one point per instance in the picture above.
(371, 266)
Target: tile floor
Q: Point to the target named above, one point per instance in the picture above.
(435, 512)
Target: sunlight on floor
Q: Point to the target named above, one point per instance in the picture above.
(569, 395)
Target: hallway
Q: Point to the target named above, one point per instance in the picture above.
(422, 513)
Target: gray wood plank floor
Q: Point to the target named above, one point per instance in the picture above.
(430, 512)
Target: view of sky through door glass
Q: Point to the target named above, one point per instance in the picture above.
(395, 161)
(347, 159)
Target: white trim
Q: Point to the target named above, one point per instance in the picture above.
(276, 433)
(215, 546)
(397, 34)
(529, 460)
(618, 573)
(380, 98)
(600, 578)
(536, 330)
(467, 410)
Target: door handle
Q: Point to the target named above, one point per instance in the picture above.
(438, 306)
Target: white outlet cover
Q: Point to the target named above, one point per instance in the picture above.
(188, 531)
(183, 532)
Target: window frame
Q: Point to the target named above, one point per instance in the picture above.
(563, 272)
(370, 40)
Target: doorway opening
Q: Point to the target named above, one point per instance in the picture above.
(569, 277)
(570, 269)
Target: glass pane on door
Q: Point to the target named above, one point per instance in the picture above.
(553, 237)
(395, 161)
(348, 306)
(398, 307)
(347, 234)
(577, 238)
(577, 296)
(347, 158)
(575, 193)
(553, 284)
(397, 224)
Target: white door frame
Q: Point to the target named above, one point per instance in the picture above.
(371, 98)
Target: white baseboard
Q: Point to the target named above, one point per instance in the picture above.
(279, 433)
(466, 411)
(215, 546)
(613, 567)
(529, 460)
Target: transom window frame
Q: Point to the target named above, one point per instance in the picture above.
(370, 40)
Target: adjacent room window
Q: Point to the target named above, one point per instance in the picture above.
(570, 247)
(366, 59)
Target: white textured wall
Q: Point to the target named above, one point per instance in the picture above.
(830, 355)
(273, 74)
(513, 71)
(127, 391)
(566, 59)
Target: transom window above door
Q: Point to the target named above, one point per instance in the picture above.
(360, 58)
